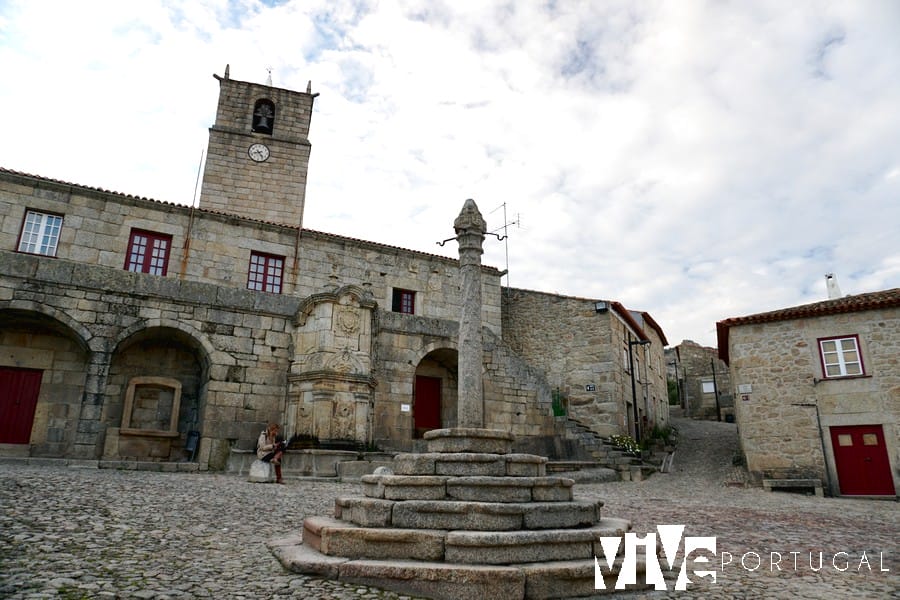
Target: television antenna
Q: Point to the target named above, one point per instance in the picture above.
(505, 227)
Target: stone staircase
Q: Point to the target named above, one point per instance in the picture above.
(466, 520)
(605, 454)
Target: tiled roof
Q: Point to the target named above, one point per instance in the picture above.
(331, 236)
(847, 304)
(654, 325)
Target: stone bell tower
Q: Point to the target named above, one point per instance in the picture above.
(258, 153)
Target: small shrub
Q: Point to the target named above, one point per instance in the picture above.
(667, 434)
(626, 442)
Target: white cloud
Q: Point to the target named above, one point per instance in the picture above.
(695, 160)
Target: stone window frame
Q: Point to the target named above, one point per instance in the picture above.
(127, 409)
(403, 301)
(839, 353)
(712, 385)
(40, 232)
(146, 265)
(265, 272)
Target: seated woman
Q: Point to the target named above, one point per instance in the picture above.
(270, 448)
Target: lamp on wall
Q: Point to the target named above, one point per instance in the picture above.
(601, 306)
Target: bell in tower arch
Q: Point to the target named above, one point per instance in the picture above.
(263, 117)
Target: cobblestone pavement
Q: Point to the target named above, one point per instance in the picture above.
(87, 533)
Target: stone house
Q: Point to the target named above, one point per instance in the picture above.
(817, 391)
(605, 361)
(704, 382)
(139, 330)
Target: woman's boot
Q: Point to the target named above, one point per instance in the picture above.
(278, 474)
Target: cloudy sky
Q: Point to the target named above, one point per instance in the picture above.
(696, 160)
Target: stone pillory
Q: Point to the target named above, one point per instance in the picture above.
(470, 228)
(468, 519)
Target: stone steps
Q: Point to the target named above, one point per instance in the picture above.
(629, 467)
(457, 581)
(561, 466)
(465, 519)
(478, 516)
(472, 489)
(334, 537)
(470, 463)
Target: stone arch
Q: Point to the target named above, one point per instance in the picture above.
(196, 337)
(78, 332)
(263, 118)
(434, 401)
(156, 349)
(58, 356)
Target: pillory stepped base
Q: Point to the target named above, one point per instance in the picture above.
(467, 519)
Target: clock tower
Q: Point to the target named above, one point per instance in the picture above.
(258, 153)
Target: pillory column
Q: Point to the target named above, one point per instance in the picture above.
(470, 228)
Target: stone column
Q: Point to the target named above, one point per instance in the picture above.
(470, 228)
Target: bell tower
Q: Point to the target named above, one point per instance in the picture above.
(258, 153)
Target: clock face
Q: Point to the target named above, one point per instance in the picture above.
(258, 152)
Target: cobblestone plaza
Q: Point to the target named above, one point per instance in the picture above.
(69, 532)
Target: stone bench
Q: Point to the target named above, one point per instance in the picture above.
(314, 462)
(815, 484)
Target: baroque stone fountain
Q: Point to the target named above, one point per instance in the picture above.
(469, 518)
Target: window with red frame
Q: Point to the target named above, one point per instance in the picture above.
(265, 273)
(840, 356)
(404, 301)
(148, 252)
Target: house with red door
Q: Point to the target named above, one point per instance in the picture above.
(817, 392)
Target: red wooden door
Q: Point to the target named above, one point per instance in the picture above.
(861, 458)
(19, 389)
(427, 404)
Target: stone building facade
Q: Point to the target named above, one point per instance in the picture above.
(604, 360)
(704, 381)
(133, 329)
(817, 391)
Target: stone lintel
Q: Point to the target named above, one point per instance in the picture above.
(469, 439)
(441, 581)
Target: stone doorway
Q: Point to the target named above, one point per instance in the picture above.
(426, 405)
(434, 392)
(19, 390)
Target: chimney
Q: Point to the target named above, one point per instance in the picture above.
(831, 285)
